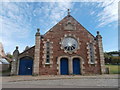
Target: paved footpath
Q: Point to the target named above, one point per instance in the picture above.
(98, 81)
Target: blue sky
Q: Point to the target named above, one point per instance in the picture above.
(19, 21)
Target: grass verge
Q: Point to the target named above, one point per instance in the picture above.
(114, 69)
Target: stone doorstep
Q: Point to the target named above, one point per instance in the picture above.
(52, 77)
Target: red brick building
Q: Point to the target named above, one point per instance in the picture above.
(66, 49)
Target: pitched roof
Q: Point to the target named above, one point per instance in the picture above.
(3, 61)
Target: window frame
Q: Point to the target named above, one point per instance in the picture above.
(47, 60)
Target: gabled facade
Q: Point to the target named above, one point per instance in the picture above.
(66, 49)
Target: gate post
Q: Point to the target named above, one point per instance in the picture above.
(14, 62)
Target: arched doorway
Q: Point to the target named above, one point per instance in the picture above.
(64, 66)
(76, 66)
(25, 66)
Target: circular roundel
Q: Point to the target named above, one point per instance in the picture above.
(69, 44)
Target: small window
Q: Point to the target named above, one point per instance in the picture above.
(47, 60)
(92, 60)
(48, 52)
(47, 56)
(69, 22)
(47, 44)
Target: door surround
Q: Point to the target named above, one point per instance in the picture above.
(76, 66)
(70, 64)
(64, 66)
(18, 67)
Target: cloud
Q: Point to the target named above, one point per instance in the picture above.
(60, 10)
(109, 13)
(108, 10)
(18, 19)
(15, 24)
(92, 12)
(53, 11)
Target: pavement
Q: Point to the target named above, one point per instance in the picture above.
(60, 81)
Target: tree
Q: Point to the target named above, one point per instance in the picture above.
(9, 55)
(111, 59)
(107, 58)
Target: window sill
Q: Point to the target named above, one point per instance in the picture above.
(47, 63)
(91, 63)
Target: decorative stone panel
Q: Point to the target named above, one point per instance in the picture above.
(69, 26)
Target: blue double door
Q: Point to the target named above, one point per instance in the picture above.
(25, 66)
(64, 66)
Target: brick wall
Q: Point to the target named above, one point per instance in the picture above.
(55, 35)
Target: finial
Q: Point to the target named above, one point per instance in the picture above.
(38, 32)
(38, 29)
(16, 47)
(68, 11)
(98, 32)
